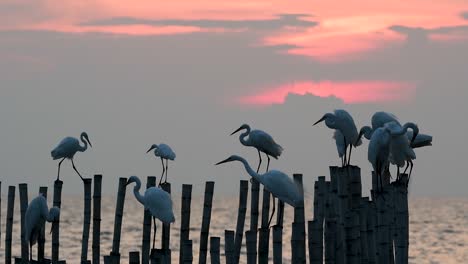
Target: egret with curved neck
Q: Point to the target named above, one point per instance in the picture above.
(279, 184)
(260, 140)
(67, 148)
(156, 200)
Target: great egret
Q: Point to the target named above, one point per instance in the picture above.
(156, 200)
(379, 119)
(67, 149)
(165, 153)
(342, 121)
(276, 182)
(36, 215)
(260, 140)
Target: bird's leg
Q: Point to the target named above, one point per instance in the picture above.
(407, 165)
(73, 164)
(260, 162)
(410, 171)
(58, 172)
(345, 151)
(30, 253)
(154, 231)
(349, 157)
(342, 161)
(166, 171)
(272, 211)
(398, 173)
(268, 163)
(162, 175)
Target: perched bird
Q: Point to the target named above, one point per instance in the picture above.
(156, 200)
(67, 149)
(165, 153)
(379, 119)
(276, 182)
(260, 140)
(34, 221)
(346, 134)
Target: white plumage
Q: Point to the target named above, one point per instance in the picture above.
(164, 152)
(67, 149)
(36, 215)
(379, 152)
(346, 134)
(401, 152)
(156, 200)
(260, 140)
(276, 182)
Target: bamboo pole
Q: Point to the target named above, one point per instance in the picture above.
(9, 223)
(119, 208)
(250, 240)
(315, 233)
(57, 201)
(134, 257)
(166, 230)
(23, 193)
(229, 246)
(96, 244)
(264, 234)
(146, 237)
(243, 191)
(353, 231)
(363, 230)
(330, 224)
(320, 200)
(298, 252)
(86, 219)
(371, 232)
(185, 213)
(254, 212)
(188, 255)
(339, 189)
(214, 250)
(402, 220)
(207, 204)
(41, 239)
(0, 212)
(277, 244)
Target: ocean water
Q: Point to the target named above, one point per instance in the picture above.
(438, 228)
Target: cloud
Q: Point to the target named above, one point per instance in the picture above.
(282, 20)
(464, 15)
(348, 92)
(421, 35)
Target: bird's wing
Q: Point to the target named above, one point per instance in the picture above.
(340, 144)
(348, 127)
(264, 142)
(282, 187)
(65, 147)
(422, 140)
(379, 119)
(159, 203)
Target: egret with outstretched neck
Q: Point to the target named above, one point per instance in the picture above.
(260, 140)
(164, 152)
(67, 149)
(343, 122)
(36, 215)
(157, 201)
(279, 184)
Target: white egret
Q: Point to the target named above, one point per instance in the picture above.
(156, 200)
(67, 149)
(165, 153)
(260, 140)
(34, 222)
(342, 121)
(276, 182)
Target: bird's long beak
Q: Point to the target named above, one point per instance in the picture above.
(239, 129)
(358, 138)
(224, 161)
(321, 119)
(150, 149)
(414, 137)
(89, 142)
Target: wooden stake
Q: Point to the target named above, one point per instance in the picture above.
(23, 193)
(251, 244)
(185, 222)
(166, 230)
(57, 201)
(298, 238)
(243, 191)
(119, 208)
(188, 255)
(147, 222)
(214, 250)
(9, 223)
(134, 257)
(96, 243)
(204, 232)
(86, 219)
(229, 246)
(41, 242)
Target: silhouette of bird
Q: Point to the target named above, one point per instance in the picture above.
(276, 182)
(165, 153)
(260, 140)
(379, 119)
(67, 149)
(156, 200)
(346, 134)
(34, 222)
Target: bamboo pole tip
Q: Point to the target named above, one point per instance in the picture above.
(321, 178)
(87, 180)
(58, 182)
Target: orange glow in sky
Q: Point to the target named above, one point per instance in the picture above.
(349, 92)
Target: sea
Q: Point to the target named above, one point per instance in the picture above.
(438, 228)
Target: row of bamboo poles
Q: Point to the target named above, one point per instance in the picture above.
(346, 228)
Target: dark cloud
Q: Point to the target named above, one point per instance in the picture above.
(282, 20)
(465, 15)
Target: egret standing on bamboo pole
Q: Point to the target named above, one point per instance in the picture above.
(165, 153)
(156, 200)
(67, 149)
(35, 217)
(260, 140)
(279, 184)
(345, 132)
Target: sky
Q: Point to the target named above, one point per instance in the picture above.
(188, 73)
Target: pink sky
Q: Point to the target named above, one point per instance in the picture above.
(346, 30)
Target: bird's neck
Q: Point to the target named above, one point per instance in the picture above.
(250, 171)
(85, 146)
(136, 192)
(242, 137)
